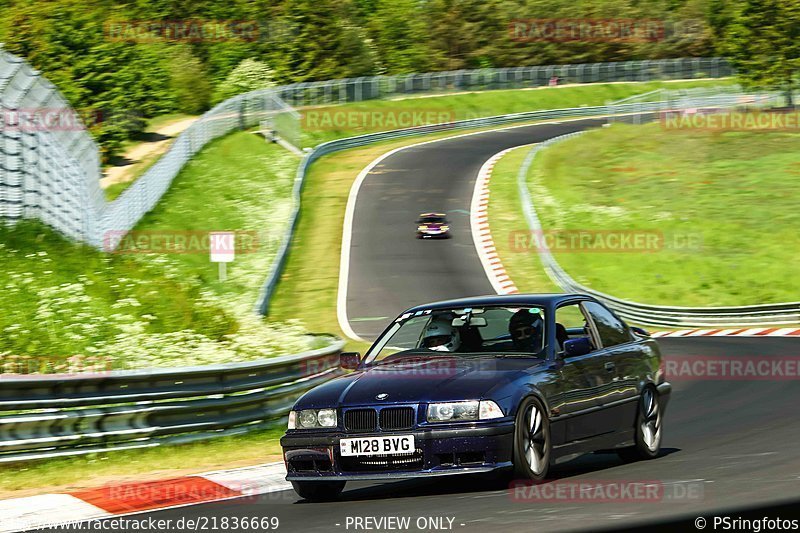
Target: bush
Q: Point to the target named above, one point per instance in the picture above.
(249, 75)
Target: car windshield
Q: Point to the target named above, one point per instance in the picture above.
(464, 332)
(432, 220)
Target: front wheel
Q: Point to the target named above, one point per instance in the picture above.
(318, 491)
(648, 429)
(531, 441)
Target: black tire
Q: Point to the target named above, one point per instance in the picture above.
(648, 428)
(532, 443)
(318, 491)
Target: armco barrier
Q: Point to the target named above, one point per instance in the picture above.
(44, 416)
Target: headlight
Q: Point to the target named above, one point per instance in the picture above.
(422, 228)
(459, 411)
(453, 411)
(327, 418)
(308, 418)
(312, 418)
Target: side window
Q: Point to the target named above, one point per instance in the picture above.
(611, 330)
(570, 324)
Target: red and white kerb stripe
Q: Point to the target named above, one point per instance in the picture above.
(731, 332)
(482, 235)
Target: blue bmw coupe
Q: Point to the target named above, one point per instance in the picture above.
(514, 383)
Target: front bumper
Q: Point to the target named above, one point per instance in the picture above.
(433, 235)
(440, 451)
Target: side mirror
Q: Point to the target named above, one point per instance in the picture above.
(575, 347)
(640, 331)
(349, 360)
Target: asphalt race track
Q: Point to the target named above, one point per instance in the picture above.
(390, 270)
(727, 444)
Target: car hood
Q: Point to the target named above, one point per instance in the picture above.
(419, 380)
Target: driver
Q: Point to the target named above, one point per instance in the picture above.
(441, 336)
(526, 328)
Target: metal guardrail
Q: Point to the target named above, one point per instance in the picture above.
(45, 416)
(647, 314)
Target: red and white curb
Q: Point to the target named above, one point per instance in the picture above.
(54, 510)
(482, 234)
(731, 332)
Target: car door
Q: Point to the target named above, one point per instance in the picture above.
(620, 360)
(583, 380)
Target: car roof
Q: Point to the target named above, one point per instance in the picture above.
(432, 215)
(542, 300)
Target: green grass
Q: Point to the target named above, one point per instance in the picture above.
(144, 464)
(725, 203)
(60, 299)
(63, 300)
(237, 183)
(113, 191)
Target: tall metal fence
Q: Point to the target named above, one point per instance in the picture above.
(53, 173)
(398, 86)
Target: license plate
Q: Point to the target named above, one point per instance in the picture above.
(386, 445)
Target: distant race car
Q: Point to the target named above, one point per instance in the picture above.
(433, 226)
(486, 384)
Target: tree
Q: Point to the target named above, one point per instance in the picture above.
(249, 75)
(188, 81)
(763, 43)
(327, 42)
(399, 29)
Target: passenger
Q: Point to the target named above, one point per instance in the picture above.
(527, 329)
